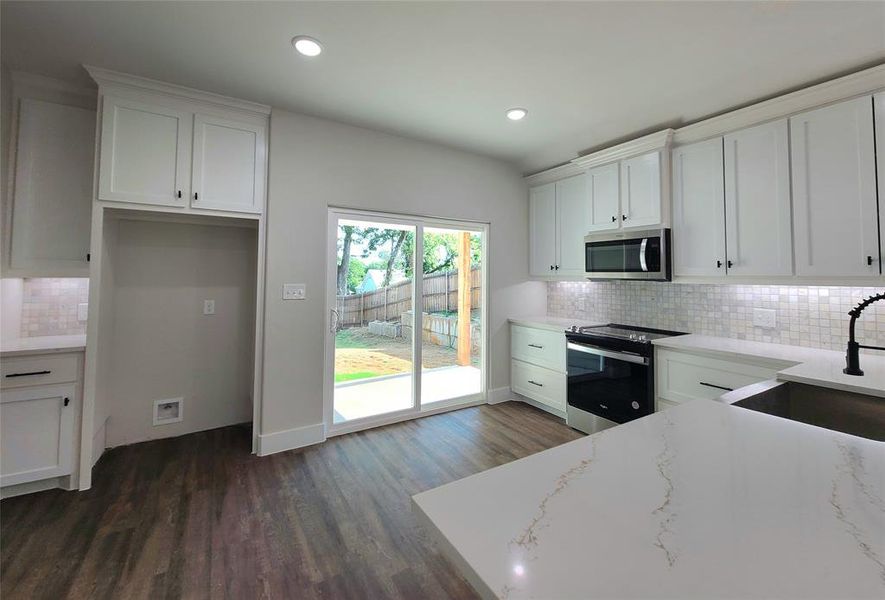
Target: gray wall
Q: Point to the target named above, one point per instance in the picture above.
(314, 164)
(162, 345)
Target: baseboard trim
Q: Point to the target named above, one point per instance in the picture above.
(30, 487)
(290, 439)
(500, 394)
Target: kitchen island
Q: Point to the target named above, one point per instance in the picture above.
(703, 500)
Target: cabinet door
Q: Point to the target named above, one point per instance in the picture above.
(603, 190)
(542, 230)
(698, 210)
(834, 191)
(229, 165)
(879, 110)
(52, 206)
(37, 426)
(641, 190)
(572, 223)
(757, 201)
(145, 153)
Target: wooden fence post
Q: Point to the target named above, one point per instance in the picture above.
(464, 286)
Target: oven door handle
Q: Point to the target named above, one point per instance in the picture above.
(642, 248)
(631, 358)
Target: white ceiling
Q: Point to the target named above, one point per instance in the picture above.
(589, 73)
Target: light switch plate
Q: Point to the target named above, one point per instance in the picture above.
(294, 291)
(764, 317)
(82, 311)
(208, 307)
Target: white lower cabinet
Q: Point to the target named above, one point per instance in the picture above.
(39, 419)
(538, 367)
(683, 376)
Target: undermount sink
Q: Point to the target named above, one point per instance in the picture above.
(836, 410)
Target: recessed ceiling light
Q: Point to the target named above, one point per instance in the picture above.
(307, 45)
(516, 114)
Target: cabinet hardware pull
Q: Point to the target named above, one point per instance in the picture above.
(67, 401)
(718, 264)
(535, 346)
(729, 264)
(536, 383)
(614, 219)
(29, 373)
(718, 387)
(88, 256)
(196, 196)
(179, 193)
(557, 267)
(624, 217)
(869, 260)
(551, 267)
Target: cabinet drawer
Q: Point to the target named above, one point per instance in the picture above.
(538, 347)
(681, 377)
(540, 384)
(23, 371)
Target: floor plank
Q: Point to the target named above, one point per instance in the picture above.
(198, 516)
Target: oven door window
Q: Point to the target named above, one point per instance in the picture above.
(614, 389)
(623, 256)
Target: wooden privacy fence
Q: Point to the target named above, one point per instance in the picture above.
(388, 303)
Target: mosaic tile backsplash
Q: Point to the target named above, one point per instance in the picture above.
(806, 316)
(49, 306)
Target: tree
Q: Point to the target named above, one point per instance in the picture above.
(344, 257)
(375, 240)
(355, 275)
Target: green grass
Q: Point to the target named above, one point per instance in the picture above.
(346, 339)
(339, 377)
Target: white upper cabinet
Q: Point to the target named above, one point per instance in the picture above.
(604, 196)
(573, 222)
(542, 230)
(145, 153)
(879, 109)
(180, 150)
(52, 201)
(641, 190)
(698, 210)
(229, 164)
(835, 215)
(757, 201)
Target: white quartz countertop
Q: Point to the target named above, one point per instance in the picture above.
(702, 500)
(804, 365)
(43, 345)
(552, 323)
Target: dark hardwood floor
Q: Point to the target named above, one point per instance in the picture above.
(199, 516)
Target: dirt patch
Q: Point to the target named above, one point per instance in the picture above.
(357, 350)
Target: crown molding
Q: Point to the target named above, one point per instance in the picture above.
(647, 143)
(835, 90)
(843, 88)
(105, 78)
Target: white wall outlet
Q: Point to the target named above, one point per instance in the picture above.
(764, 317)
(167, 411)
(82, 311)
(294, 291)
(208, 307)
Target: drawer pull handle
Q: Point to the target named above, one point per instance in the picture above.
(535, 346)
(67, 401)
(536, 383)
(718, 387)
(29, 374)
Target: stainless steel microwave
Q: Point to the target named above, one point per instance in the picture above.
(628, 255)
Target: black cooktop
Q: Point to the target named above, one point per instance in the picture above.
(630, 333)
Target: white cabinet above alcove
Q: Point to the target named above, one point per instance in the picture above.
(179, 149)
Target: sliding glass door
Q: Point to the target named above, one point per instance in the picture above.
(385, 360)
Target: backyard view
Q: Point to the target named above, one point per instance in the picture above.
(375, 319)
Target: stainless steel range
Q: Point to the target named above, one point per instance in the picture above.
(610, 374)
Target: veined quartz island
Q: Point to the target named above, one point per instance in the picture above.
(703, 500)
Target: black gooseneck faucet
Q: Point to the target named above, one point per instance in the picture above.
(852, 358)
